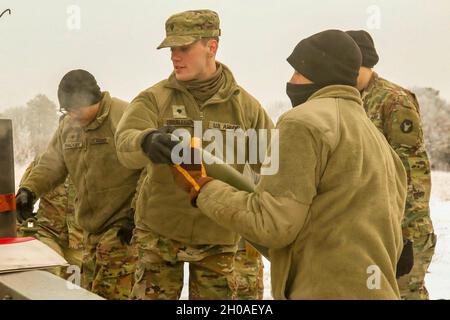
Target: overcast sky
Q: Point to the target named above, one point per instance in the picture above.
(117, 41)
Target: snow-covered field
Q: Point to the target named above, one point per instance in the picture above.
(437, 280)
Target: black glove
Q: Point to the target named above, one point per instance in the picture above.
(24, 204)
(125, 233)
(158, 145)
(406, 261)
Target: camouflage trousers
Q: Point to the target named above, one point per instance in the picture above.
(249, 273)
(412, 285)
(160, 269)
(108, 265)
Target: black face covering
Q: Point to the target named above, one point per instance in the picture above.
(299, 93)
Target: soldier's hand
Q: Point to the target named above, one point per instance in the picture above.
(158, 145)
(24, 204)
(125, 233)
(406, 261)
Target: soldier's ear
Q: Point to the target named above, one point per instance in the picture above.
(213, 45)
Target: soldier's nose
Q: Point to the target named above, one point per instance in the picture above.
(175, 56)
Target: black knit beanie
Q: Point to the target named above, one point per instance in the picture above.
(78, 88)
(365, 43)
(328, 57)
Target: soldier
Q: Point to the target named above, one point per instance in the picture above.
(331, 215)
(83, 147)
(168, 230)
(55, 224)
(395, 112)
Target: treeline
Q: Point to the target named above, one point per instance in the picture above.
(33, 127)
(436, 126)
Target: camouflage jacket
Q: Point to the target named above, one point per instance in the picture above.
(395, 112)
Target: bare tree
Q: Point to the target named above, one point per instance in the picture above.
(33, 126)
(435, 113)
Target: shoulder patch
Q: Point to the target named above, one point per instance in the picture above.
(406, 126)
(403, 128)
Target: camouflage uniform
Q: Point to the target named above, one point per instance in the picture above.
(60, 231)
(249, 273)
(395, 112)
(55, 224)
(159, 271)
(108, 265)
(169, 231)
(160, 267)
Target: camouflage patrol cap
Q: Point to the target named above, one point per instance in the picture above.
(189, 26)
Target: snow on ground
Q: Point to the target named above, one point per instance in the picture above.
(437, 280)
